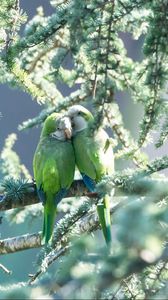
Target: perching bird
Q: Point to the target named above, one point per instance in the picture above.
(94, 159)
(54, 167)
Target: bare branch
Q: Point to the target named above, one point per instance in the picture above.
(23, 242)
(9, 272)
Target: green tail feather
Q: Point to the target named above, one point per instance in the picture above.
(48, 226)
(103, 210)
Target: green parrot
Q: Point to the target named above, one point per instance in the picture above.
(94, 158)
(54, 167)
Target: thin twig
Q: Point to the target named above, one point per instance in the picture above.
(13, 28)
(96, 67)
(57, 44)
(59, 253)
(108, 47)
(9, 272)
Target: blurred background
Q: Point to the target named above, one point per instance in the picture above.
(16, 107)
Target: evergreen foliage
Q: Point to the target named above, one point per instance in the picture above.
(89, 35)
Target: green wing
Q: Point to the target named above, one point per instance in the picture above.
(54, 166)
(94, 156)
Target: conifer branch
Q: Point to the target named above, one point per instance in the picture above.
(11, 33)
(164, 131)
(88, 224)
(87, 34)
(54, 257)
(61, 233)
(156, 54)
(55, 22)
(19, 194)
(135, 266)
(96, 66)
(114, 118)
(41, 54)
(73, 98)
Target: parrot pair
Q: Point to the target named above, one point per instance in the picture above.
(64, 142)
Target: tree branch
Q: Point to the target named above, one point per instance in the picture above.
(57, 44)
(73, 98)
(18, 243)
(29, 241)
(134, 266)
(58, 253)
(29, 197)
(89, 223)
(5, 269)
(132, 182)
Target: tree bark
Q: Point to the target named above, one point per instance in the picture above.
(28, 241)
(77, 189)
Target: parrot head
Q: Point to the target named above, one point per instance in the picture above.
(80, 117)
(58, 127)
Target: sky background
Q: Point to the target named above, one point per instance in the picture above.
(17, 106)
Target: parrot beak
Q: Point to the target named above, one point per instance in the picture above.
(68, 133)
(67, 127)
